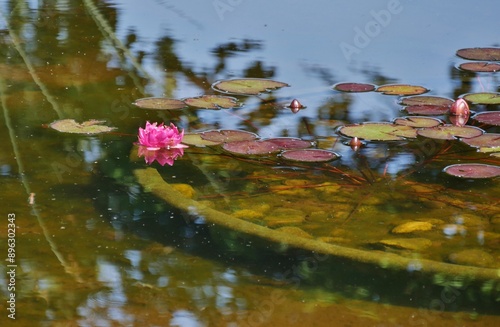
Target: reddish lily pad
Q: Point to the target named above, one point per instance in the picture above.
(418, 121)
(487, 140)
(487, 54)
(288, 143)
(247, 86)
(480, 67)
(428, 109)
(227, 135)
(310, 155)
(483, 97)
(473, 170)
(354, 87)
(378, 131)
(426, 100)
(87, 127)
(252, 147)
(488, 117)
(160, 104)
(212, 102)
(401, 89)
(450, 132)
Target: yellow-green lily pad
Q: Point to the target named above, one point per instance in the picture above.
(378, 131)
(212, 102)
(483, 97)
(160, 103)
(92, 126)
(247, 86)
(401, 89)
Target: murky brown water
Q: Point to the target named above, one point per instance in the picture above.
(93, 248)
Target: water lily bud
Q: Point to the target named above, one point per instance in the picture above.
(460, 120)
(460, 108)
(355, 143)
(295, 106)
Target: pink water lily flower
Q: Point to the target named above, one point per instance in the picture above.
(156, 137)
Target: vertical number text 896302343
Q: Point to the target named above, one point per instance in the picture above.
(11, 265)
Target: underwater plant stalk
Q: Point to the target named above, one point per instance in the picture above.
(152, 181)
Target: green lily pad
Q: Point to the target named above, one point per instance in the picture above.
(160, 104)
(480, 67)
(310, 155)
(378, 131)
(488, 117)
(426, 100)
(427, 110)
(354, 87)
(495, 151)
(87, 127)
(212, 102)
(227, 135)
(418, 121)
(195, 139)
(483, 97)
(473, 170)
(450, 132)
(487, 140)
(401, 89)
(247, 86)
(488, 54)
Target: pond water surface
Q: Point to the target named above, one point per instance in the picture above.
(379, 237)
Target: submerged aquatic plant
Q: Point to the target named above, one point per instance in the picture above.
(156, 137)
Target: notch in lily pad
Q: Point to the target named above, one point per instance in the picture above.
(354, 87)
(247, 86)
(91, 126)
(473, 170)
(160, 104)
(402, 89)
(214, 102)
